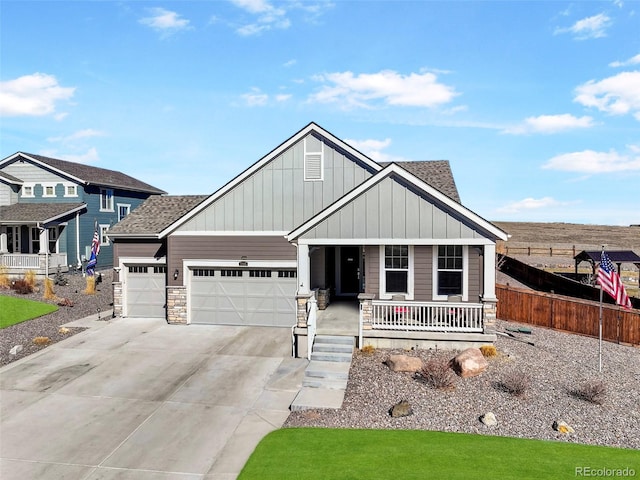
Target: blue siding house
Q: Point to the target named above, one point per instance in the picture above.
(49, 209)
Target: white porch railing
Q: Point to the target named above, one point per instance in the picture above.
(31, 261)
(312, 323)
(427, 316)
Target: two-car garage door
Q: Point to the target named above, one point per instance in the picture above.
(225, 296)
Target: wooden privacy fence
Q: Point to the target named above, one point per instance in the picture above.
(569, 314)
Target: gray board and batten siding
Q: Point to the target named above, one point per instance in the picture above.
(392, 210)
(277, 198)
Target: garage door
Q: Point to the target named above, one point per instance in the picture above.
(146, 294)
(243, 297)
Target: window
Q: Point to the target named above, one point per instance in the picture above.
(35, 240)
(104, 239)
(231, 273)
(138, 269)
(396, 271)
(106, 200)
(70, 190)
(53, 239)
(27, 190)
(286, 274)
(203, 272)
(48, 190)
(450, 279)
(123, 210)
(260, 273)
(313, 159)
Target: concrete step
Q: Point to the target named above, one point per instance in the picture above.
(333, 347)
(331, 356)
(309, 398)
(331, 384)
(335, 339)
(324, 369)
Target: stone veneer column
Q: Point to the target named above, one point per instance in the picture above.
(177, 304)
(117, 299)
(489, 315)
(301, 309)
(366, 309)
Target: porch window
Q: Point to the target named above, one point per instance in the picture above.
(35, 240)
(450, 270)
(396, 271)
(53, 239)
(106, 200)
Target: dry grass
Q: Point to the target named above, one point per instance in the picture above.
(4, 277)
(41, 340)
(49, 294)
(488, 351)
(91, 286)
(30, 278)
(437, 374)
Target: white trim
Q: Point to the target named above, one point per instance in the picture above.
(119, 206)
(378, 177)
(41, 164)
(51, 185)
(251, 264)
(103, 228)
(31, 185)
(226, 233)
(105, 192)
(306, 178)
(395, 241)
(383, 294)
(465, 275)
(312, 127)
(65, 186)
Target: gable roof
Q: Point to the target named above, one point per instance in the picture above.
(87, 174)
(19, 213)
(10, 178)
(154, 215)
(310, 128)
(412, 179)
(616, 256)
(436, 173)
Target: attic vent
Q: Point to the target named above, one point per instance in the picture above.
(313, 160)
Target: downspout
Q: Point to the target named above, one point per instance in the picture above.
(78, 262)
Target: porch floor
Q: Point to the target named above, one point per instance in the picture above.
(341, 317)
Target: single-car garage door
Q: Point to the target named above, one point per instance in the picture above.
(146, 294)
(223, 296)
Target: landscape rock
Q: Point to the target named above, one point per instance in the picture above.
(469, 363)
(562, 427)
(401, 409)
(489, 419)
(15, 350)
(404, 363)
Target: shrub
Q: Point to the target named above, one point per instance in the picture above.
(488, 351)
(48, 289)
(41, 340)
(515, 383)
(4, 277)
(437, 374)
(64, 331)
(368, 349)
(592, 391)
(22, 287)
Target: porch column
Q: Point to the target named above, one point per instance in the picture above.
(304, 269)
(489, 293)
(44, 241)
(3, 240)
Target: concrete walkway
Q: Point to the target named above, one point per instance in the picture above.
(140, 399)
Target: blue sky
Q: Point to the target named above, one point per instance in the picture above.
(535, 104)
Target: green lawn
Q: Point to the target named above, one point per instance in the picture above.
(15, 310)
(323, 454)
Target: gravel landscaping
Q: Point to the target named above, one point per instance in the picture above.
(557, 365)
(49, 326)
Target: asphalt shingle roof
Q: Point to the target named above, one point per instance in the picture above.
(10, 178)
(96, 175)
(36, 212)
(436, 173)
(155, 214)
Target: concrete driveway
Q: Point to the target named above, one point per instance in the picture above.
(140, 399)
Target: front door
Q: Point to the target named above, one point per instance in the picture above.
(349, 270)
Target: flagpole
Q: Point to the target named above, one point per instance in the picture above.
(600, 335)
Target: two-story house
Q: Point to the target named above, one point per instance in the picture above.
(49, 209)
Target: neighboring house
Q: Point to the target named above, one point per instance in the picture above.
(315, 217)
(49, 209)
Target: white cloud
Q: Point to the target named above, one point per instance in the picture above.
(386, 86)
(373, 149)
(282, 97)
(617, 95)
(257, 98)
(80, 134)
(592, 162)
(635, 60)
(590, 27)
(550, 124)
(267, 17)
(32, 95)
(89, 157)
(165, 21)
(529, 204)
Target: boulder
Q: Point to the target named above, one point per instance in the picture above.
(15, 350)
(404, 363)
(401, 409)
(469, 363)
(489, 419)
(562, 427)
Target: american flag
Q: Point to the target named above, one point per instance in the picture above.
(610, 282)
(95, 250)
